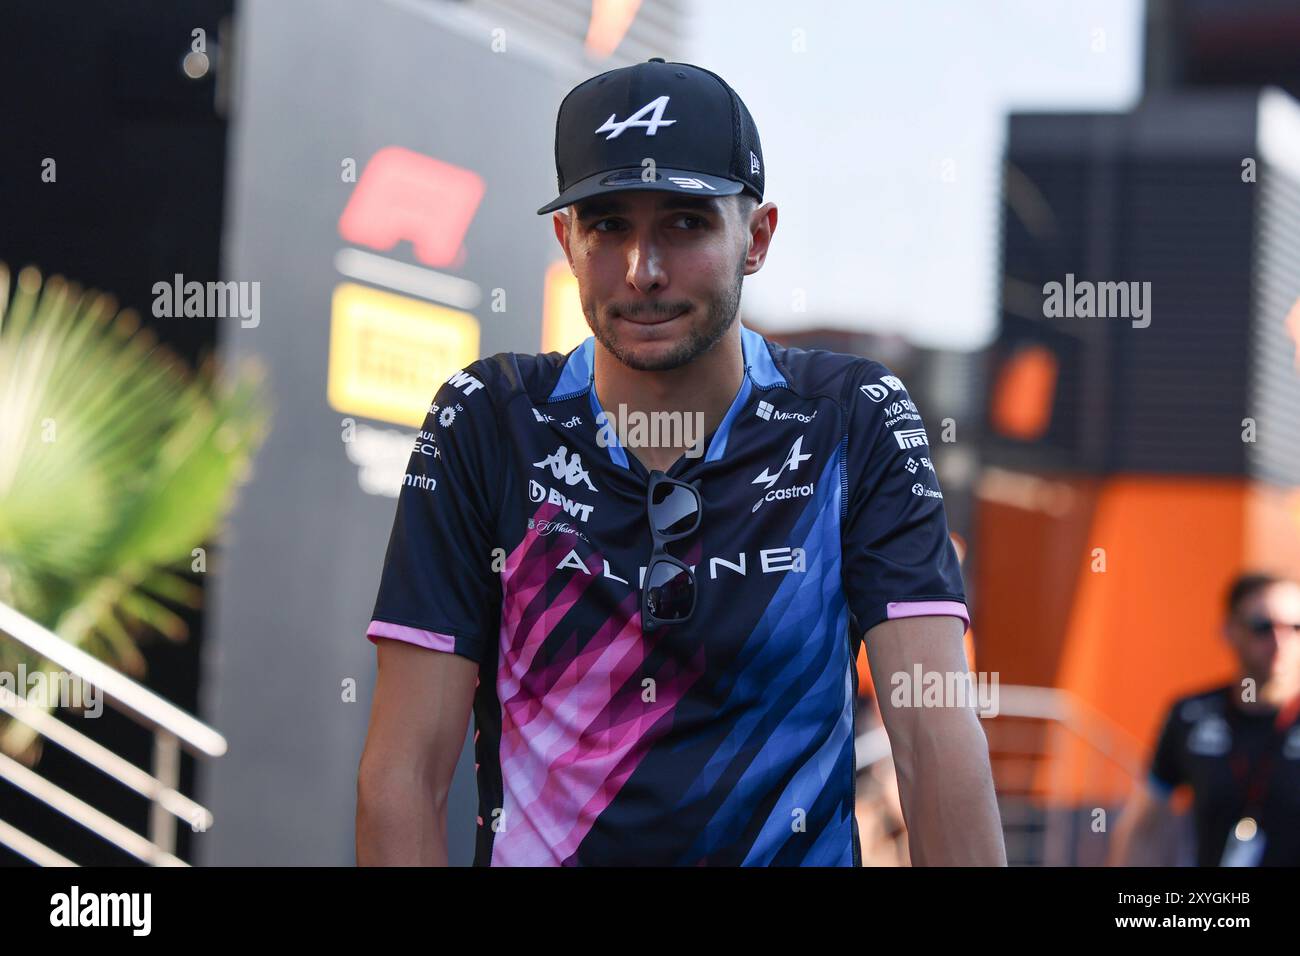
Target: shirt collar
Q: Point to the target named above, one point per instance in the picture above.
(579, 375)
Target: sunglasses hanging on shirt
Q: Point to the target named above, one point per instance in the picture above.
(668, 591)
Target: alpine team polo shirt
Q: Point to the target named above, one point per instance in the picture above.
(519, 542)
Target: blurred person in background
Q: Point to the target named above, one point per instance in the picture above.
(1237, 746)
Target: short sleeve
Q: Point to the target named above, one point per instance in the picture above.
(1167, 770)
(438, 588)
(898, 558)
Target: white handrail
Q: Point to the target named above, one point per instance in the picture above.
(100, 757)
(1041, 703)
(1060, 710)
(34, 850)
(142, 702)
(83, 813)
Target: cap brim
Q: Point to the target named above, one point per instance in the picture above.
(626, 180)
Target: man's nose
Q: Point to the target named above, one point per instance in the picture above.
(645, 264)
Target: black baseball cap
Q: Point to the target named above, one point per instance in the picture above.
(685, 118)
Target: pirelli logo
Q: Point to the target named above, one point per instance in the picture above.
(911, 438)
(387, 351)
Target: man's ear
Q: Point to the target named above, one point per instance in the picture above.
(562, 222)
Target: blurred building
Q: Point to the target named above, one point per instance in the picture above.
(1136, 458)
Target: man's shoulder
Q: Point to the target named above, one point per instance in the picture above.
(839, 375)
(507, 375)
(1208, 702)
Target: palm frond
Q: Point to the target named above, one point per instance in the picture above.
(116, 461)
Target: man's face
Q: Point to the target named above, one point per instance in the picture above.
(659, 273)
(1273, 651)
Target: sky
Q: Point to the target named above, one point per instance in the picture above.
(883, 126)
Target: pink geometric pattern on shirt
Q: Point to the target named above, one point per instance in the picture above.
(572, 732)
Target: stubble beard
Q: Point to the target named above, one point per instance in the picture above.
(721, 314)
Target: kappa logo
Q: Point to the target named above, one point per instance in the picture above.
(792, 461)
(562, 466)
(655, 107)
(879, 392)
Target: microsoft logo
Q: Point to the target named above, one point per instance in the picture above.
(764, 411)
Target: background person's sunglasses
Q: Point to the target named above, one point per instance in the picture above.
(674, 510)
(1263, 626)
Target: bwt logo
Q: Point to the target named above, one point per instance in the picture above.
(537, 493)
(879, 392)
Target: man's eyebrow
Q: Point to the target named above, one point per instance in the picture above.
(592, 208)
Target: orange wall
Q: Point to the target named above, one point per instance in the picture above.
(1128, 639)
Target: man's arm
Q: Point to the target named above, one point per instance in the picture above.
(1142, 834)
(423, 701)
(941, 754)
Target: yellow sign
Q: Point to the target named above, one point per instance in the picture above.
(563, 324)
(389, 353)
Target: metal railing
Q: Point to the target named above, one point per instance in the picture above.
(172, 729)
(1046, 748)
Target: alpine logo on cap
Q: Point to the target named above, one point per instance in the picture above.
(655, 107)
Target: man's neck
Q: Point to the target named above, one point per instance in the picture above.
(700, 392)
(1270, 695)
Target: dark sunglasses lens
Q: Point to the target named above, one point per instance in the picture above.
(1263, 627)
(670, 592)
(673, 509)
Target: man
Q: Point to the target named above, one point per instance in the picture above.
(1237, 746)
(658, 640)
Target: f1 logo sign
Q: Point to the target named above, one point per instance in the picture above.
(403, 194)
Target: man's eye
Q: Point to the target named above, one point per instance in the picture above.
(610, 224)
